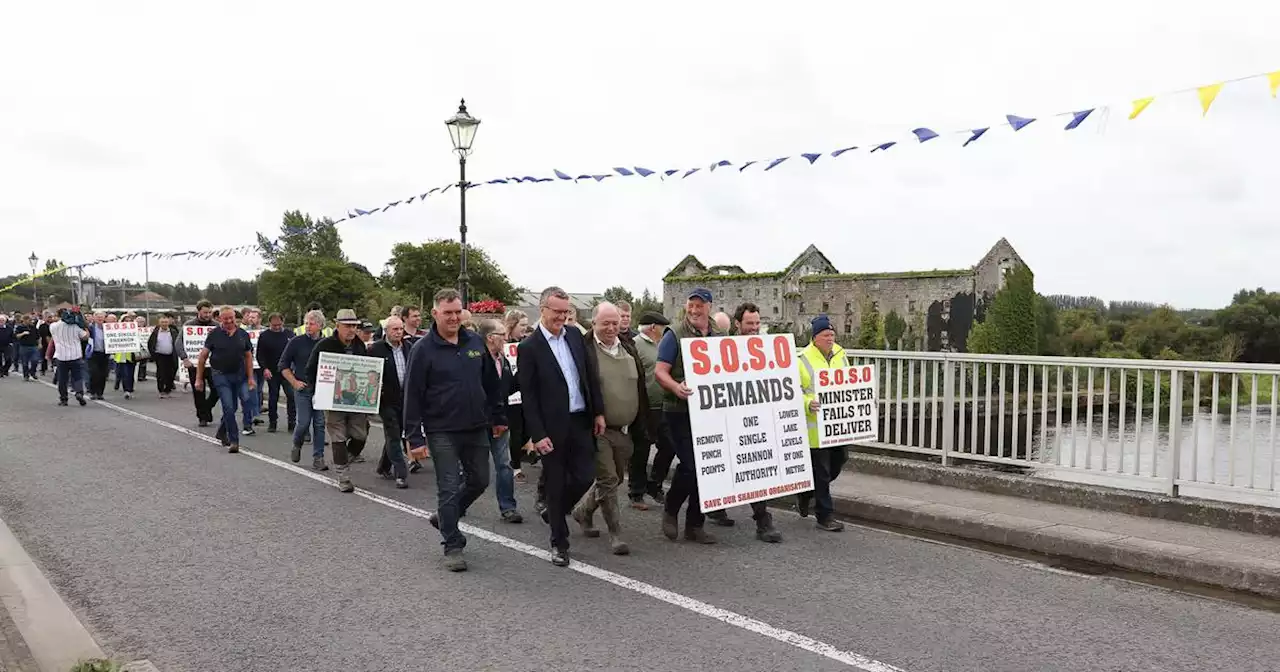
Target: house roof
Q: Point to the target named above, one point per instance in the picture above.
(579, 300)
(149, 296)
(684, 262)
(808, 252)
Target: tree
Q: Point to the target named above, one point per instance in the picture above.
(421, 270)
(1012, 324)
(301, 235)
(871, 329)
(894, 329)
(1254, 315)
(648, 303)
(618, 294)
(308, 265)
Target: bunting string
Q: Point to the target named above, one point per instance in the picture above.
(1206, 95)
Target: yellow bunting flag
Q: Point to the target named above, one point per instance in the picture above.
(1139, 105)
(1274, 79)
(1207, 94)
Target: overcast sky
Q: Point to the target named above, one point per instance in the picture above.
(153, 125)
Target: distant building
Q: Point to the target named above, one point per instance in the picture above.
(582, 302)
(939, 306)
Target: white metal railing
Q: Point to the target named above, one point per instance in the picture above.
(1204, 429)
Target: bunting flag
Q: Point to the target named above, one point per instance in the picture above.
(1207, 94)
(1139, 105)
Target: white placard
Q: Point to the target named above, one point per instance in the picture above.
(510, 349)
(193, 340)
(348, 383)
(746, 414)
(847, 411)
(121, 337)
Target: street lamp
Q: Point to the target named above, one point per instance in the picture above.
(35, 282)
(462, 131)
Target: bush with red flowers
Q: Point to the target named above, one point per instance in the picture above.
(487, 307)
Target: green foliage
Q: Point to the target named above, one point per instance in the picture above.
(422, 270)
(648, 303)
(300, 235)
(1013, 321)
(871, 329)
(894, 329)
(1255, 316)
(298, 280)
(618, 294)
(97, 665)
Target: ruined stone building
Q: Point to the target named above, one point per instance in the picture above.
(939, 306)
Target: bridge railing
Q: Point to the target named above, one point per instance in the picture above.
(1203, 429)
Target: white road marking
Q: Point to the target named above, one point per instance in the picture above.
(795, 639)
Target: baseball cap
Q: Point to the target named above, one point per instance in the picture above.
(701, 293)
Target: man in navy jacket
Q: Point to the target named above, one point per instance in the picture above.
(453, 401)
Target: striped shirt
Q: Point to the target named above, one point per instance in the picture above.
(67, 346)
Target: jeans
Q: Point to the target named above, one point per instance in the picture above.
(461, 461)
(29, 356)
(231, 388)
(309, 419)
(73, 372)
(644, 480)
(684, 486)
(504, 476)
(273, 398)
(253, 400)
(124, 375)
(827, 464)
(392, 460)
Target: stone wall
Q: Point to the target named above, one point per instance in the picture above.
(728, 294)
(912, 297)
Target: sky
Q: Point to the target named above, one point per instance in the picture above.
(169, 126)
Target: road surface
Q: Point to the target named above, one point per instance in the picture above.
(170, 549)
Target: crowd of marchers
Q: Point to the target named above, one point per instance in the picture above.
(590, 404)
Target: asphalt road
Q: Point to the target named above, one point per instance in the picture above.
(171, 549)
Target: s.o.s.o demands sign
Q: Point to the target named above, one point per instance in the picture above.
(746, 415)
(847, 408)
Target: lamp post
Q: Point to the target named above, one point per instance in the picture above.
(35, 282)
(462, 131)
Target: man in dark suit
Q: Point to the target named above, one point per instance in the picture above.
(394, 352)
(563, 411)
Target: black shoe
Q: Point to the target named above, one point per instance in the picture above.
(434, 519)
(80, 399)
(541, 508)
(257, 421)
(62, 402)
(721, 518)
(559, 557)
(384, 475)
(271, 428)
(802, 505)
(295, 454)
(415, 466)
(292, 426)
(221, 435)
(203, 423)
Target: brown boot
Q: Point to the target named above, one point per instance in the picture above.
(584, 517)
(765, 531)
(670, 526)
(609, 508)
(698, 534)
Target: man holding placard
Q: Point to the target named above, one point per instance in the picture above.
(190, 342)
(670, 374)
(821, 357)
(338, 393)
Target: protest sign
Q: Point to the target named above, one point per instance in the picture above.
(510, 350)
(349, 383)
(193, 340)
(121, 337)
(750, 442)
(847, 411)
